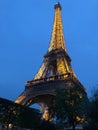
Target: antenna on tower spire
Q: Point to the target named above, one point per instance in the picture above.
(58, 5)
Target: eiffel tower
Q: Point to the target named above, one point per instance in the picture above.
(55, 72)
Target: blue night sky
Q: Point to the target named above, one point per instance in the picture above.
(25, 32)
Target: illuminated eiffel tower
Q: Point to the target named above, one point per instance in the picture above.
(55, 72)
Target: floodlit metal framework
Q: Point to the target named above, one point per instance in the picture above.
(55, 71)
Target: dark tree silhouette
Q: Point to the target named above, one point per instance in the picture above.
(18, 115)
(92, 120)
(69, 106)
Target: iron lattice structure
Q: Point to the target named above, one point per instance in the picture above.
(55, 71)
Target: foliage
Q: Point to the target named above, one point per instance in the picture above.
(69, 105)
(18, 115)
(46, 125)
(92, 121)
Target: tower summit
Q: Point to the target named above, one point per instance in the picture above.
(57, 6)
(55, 72)
(57, 39)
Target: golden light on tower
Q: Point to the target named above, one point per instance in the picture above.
(55, 72)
